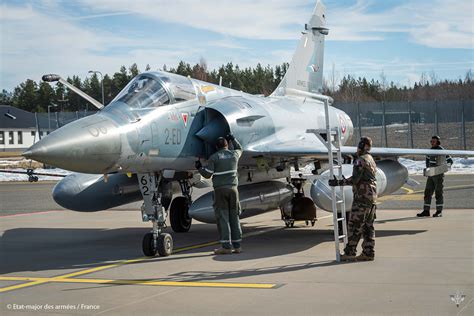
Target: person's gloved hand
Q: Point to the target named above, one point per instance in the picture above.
(198, 164)
(230, 137)
(334, 182)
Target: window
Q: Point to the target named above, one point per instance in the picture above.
(11, 141)
(2, 138)
(20, 138)
(143, 92)
(32, 134)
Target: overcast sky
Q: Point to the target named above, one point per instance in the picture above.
(402, 39)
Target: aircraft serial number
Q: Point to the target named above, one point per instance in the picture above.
(172, 136)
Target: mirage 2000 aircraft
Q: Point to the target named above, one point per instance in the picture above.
(150, 135)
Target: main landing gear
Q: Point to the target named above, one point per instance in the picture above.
(153, 210)
(179, 216)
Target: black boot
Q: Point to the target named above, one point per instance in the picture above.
(425, 213)
(439, 212)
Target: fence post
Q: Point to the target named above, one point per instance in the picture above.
(384, 123)
(410, 126)
(358, 119)
(463, 125)
(57, 120)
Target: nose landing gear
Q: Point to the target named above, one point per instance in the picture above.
(152, 210)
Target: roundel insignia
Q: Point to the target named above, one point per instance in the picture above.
(343, 123)
(185, 118)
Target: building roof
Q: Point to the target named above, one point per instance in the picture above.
(22, 118)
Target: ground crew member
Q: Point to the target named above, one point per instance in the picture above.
(434, 184)
(362, 216)
(222, 167)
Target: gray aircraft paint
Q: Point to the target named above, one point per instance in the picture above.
(272, 130)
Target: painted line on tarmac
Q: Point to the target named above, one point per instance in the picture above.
(412, 195)
(454, 187)
(39, 280)
(69, 276)
(409, 191)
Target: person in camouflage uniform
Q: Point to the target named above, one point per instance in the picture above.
(222, 167)
(362, 215)
(434, 184)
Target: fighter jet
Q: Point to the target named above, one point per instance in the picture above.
(145, 142)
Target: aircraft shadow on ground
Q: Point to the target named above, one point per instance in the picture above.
(43, 249)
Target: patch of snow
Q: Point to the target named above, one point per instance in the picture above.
(460, 166)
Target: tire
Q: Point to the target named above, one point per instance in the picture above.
(179, 216)
(165, 245)
(148, 245)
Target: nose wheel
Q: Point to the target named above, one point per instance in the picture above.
(163, 244)
(153, 211)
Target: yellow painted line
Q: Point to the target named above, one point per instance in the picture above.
(404, 197)
(409, 191)
(466, 186)
(413, 195)
(68, 276)
(141, 282)
(196, 246)
(100, 268)
(20, 286)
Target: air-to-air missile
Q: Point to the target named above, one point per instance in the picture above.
(143, 145)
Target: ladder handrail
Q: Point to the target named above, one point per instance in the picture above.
(334, 203)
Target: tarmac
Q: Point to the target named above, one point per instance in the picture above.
(55, 261)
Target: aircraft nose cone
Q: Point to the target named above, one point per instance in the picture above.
(88, 145)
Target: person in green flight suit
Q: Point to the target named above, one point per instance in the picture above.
(434, 184)
(222, 167)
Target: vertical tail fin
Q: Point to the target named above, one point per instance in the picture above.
(306, 69)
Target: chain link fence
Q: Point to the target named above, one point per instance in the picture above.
(411, 124)
(407, 124)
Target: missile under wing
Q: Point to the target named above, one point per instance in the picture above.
(154, 130)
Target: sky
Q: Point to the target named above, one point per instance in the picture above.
(398, 40)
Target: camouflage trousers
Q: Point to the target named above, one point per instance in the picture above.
(227, 211)
(361, 224)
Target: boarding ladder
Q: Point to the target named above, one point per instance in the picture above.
(338, 203)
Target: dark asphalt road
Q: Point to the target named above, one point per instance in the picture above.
(20, 197)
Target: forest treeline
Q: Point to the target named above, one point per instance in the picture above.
(37, 96)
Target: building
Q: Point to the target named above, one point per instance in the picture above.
(18, 129)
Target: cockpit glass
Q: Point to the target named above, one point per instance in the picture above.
(143, 92)
(181, 87)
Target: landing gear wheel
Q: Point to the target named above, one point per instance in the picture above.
(148, 245)
(179, 216)
(165, 245)
(313, 222)
(307, 223)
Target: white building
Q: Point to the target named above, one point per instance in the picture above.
(18, 128)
